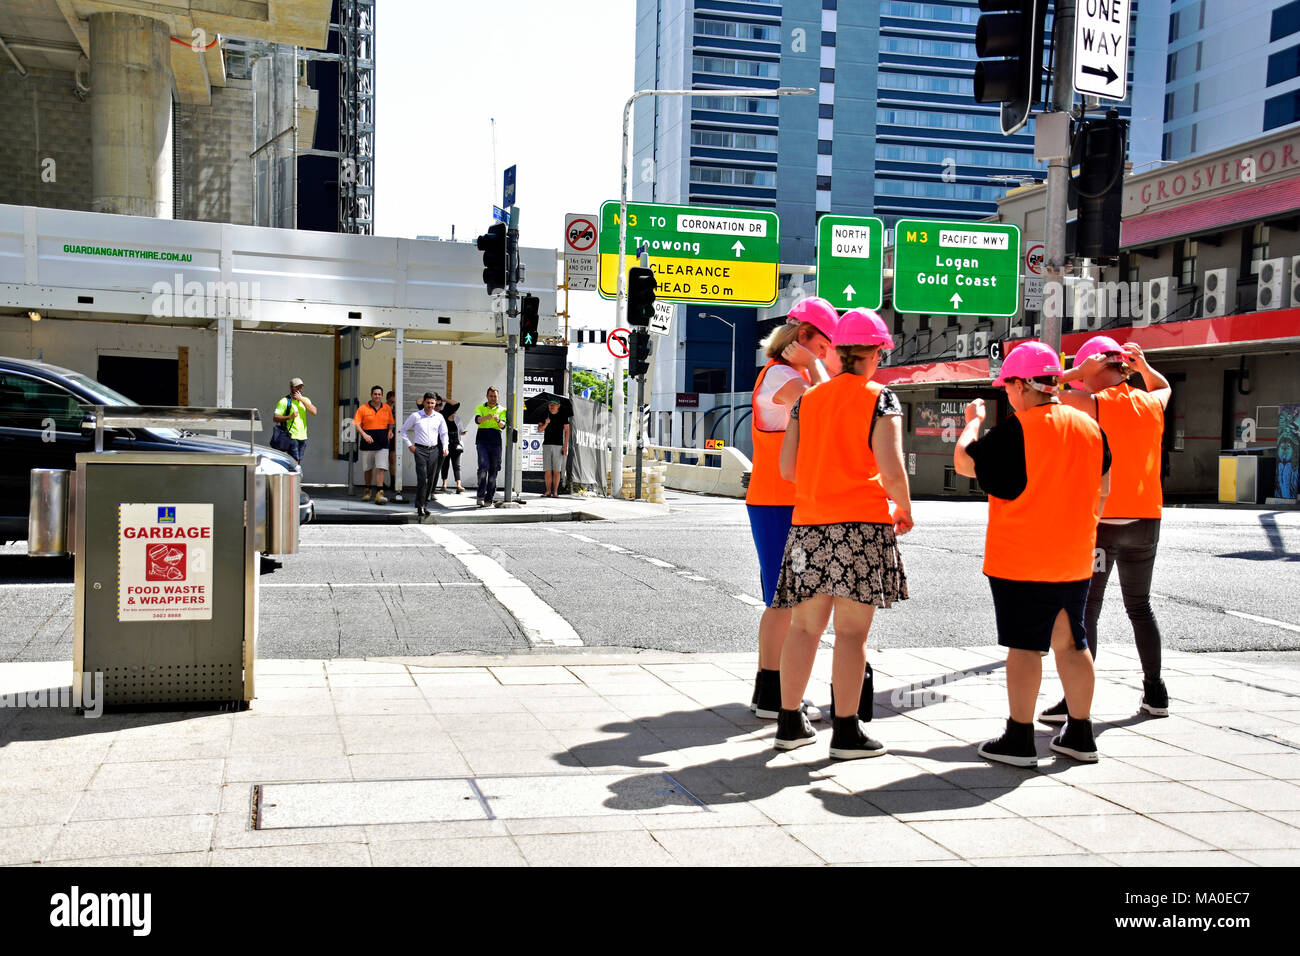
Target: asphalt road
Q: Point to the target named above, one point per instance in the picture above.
(1225, 580)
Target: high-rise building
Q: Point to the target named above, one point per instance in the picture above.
(1232, 72)
(893, 131)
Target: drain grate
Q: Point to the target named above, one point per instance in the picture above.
(280, 806)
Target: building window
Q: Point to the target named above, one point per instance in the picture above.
(1258, 247)
(823, 147)
(730, 67)
(1281, 110)
(709, 380)
(732, 177)
(733, 140)
(825, 110)
(1185, 266)
(1286, 21)
(828, 74)
(1284, 65)
(923, 323)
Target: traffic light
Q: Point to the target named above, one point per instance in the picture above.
(1009, 43)
(528, 320)
(1099, 147)
(638, 353)
(641, 287)
(493, 245)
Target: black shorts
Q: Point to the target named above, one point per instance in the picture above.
(1026, 611)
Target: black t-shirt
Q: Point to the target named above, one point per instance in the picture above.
(1000, 459)
(555, 430)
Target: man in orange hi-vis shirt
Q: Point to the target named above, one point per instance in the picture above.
(375, 426)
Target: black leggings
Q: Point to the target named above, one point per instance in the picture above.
(1133, 548)
(451, 460)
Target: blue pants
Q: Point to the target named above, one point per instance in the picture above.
(489, 463)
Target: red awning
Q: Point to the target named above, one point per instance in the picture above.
(1242, 206)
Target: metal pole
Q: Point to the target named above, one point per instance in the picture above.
(643, 335)
(621, 295)
(512, 343)
(1058, 175)
(399, 399)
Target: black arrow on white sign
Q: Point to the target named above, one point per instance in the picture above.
(1109, 73)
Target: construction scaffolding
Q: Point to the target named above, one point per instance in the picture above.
(356, 33)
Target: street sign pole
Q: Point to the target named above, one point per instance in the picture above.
(1058, 175)
(512, 345)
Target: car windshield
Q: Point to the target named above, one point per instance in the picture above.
(107, 396)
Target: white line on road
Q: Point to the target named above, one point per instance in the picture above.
(1263, 620)
(537, 619)
(747, 599)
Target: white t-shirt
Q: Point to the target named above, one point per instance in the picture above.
(769, 416)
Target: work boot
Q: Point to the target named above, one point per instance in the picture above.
(849, 740)
(379, 497)
(1155, 698)
(1055, 714)
(1015, 746)
(1077, 741)
(366, 495)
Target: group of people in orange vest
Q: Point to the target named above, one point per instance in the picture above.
(1073, 479)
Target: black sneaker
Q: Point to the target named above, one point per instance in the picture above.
(850, 742)
(767, 698)
(866, 700)
(793, 730)
(1077, 741)
(1015, 746)
(1155, 699)
(753, 701)
(1055, 714)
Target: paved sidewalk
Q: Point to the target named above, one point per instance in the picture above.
(335, 506)
(588, 758)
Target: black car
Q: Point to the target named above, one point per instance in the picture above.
(42, 408)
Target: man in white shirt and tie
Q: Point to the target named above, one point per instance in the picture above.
(425, 433)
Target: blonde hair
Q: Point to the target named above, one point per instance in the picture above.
(850, 356)
(781, 337)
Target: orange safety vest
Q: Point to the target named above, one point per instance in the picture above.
(1134, 424)
(837, 479)
(766, 486)
(1049, 531)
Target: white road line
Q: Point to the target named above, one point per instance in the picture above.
(309, 584)
(537, 619)
(747, 599)
(353, 544)
(1263, 620)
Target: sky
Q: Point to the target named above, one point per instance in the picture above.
(555, 77)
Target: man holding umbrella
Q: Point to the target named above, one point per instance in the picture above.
(551, 413)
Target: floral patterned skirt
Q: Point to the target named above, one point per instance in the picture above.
(857, 561)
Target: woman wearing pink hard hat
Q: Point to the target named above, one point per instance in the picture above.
(1129, 533)
(798, 354)
(844, 451)
(1046, 471)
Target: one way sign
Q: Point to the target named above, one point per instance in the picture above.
(1101, 48)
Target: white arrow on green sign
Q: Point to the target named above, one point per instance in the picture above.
(956, 268)
(697, 253)
(849, 260)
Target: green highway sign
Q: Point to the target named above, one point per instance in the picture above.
(956, 268)
(850, 256)
(697, 253)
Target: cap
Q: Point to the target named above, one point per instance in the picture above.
(295, 383)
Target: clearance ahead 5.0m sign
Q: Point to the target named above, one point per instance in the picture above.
(956, 268)
(697, 253)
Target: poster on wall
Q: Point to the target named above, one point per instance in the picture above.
(420, 376)
(164, 561)
(939, 419)
(530, 436)
(1286, 483)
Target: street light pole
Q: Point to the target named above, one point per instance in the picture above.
(621, 294)
(731, 401)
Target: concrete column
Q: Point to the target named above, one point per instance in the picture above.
(130, 115)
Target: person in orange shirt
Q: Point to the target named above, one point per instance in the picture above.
(843, 449)
(1046, 472)
(795, 353)
(1129, 533)
(375, 425)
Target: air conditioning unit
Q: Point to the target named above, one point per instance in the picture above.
(1293, 277)
(1272, 292)
(979, 343)
(1021, 332)
(963, 346)
(1219, 295)
(1159, 300)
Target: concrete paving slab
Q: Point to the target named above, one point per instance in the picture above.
(869, 841)
(511, 676)
(357, 803)
(27, 844)
(158, 773)
(1122, 834)
(286, 767)
(314, 854)
(1011, 837)
(382, 766)
(735, 846)
(88, 839)
(1241, 830)
(1197, 858)
(146, 802)
(456, 852)
(629, 847)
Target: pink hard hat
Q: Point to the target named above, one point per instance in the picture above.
(1097, 345)
(1029, 360)
(818, 312)
(862, 327)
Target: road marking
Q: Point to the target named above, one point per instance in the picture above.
(1263, 620)
(537, 619)
(747, 599)
(351, 544)
(309, 584)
